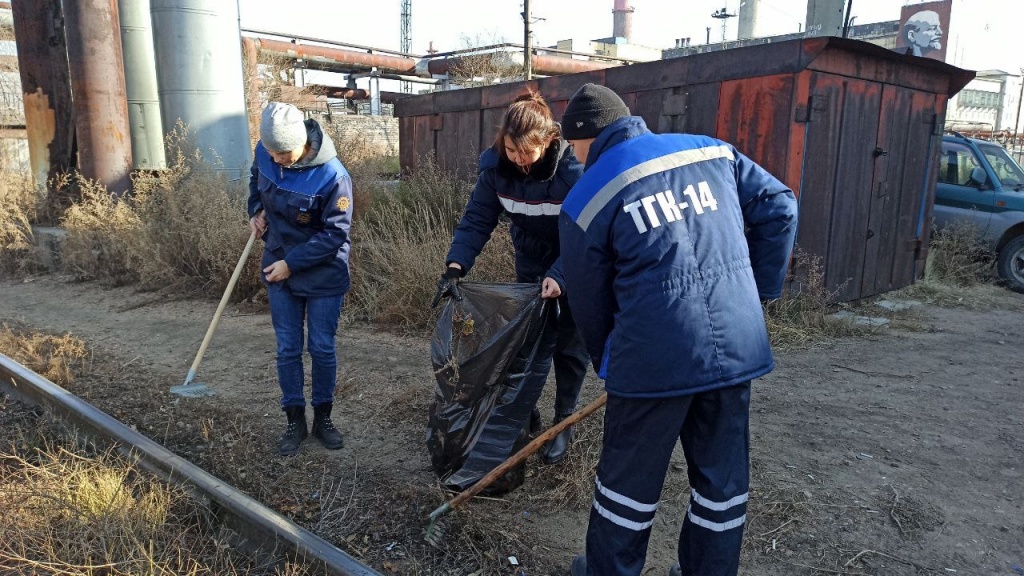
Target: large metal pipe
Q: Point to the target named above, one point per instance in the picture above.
(546, 65)
(46, 87)
(97, 81)
(335, 58)
(199, 70)
(140, 85)
(748, 19)
(339, 60)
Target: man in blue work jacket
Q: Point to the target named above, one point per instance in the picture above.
(670, 243)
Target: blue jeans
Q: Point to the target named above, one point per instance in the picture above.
(288, 314)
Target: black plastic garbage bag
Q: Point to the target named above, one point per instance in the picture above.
(483, 356)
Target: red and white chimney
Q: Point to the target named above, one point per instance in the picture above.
(622, 20)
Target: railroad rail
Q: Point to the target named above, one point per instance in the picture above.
(260, 527)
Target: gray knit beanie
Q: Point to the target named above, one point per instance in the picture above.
(590, 110)
(282, 128)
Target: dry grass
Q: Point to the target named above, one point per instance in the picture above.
(182, 230)
(400, 244)
(803, 317)
(18, 208)
(57, 358)
(74, 510)
(958, 257)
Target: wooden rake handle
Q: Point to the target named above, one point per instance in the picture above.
(526, 451)
(220, 308)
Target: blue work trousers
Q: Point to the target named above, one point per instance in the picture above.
(294, 317)
(639, 435)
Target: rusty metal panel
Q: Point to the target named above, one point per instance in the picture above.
(101, 104)
(798, 133)
(415, 105)
(490, 123)
(456, 142)
(817, 184)
(754, 116)
(46, 87)
(926, 113)
(853, 188)
(459, 100)
(886, 224)
(467, 141)
(423, 141)
(406, 133)
(896, 70)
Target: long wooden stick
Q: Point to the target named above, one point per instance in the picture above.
(220, 309)
(524, 453)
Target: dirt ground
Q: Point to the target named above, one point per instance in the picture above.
(897, 453)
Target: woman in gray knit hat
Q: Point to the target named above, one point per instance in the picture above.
(300, 203)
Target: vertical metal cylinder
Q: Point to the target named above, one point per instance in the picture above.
(140, 85)
(527, 48)
(97, 81)
(748, 19)
(45, 86)
(199, 69)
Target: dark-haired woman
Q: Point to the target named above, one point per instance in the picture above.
(526, 174)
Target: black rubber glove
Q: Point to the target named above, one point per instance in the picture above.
(448, 285)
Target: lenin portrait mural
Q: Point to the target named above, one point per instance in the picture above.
(922, 29)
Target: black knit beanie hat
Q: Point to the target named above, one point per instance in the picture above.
(589, 110)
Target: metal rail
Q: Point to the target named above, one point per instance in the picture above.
(261, 527)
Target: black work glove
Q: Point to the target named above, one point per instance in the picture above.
(448, 285)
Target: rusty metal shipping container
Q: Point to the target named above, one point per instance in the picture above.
(854, 129)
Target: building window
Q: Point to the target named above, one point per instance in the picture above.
(977, 99)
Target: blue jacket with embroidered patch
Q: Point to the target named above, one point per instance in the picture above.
(532, 202)
(669, 244)
(308, 207)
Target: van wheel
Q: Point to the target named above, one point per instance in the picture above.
(1010, 263)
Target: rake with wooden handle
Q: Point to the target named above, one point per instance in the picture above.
(192, 389)
(436, 531)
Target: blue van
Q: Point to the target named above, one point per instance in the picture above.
(980, 183)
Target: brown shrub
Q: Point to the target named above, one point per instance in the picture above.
(182, 230)
(400, 244)
(19, 202)
(958, 256)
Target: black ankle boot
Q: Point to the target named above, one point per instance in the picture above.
(558, 447)
(535, 421)
(295, 433)
(323, 427)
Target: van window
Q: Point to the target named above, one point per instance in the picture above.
(956, 164)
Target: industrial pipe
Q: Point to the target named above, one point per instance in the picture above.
(46, 88)
(199, 69)
(339, 60)
(140, 85)
(335, 58)
(545, 65)
(97, 82)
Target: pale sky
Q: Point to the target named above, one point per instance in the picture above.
(988, 28)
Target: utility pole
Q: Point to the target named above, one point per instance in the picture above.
(1016, 123)
(406, 40)
(527, 55)
(722, 15)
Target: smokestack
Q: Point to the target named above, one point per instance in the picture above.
(824, 17)
(622, 20)
(748, 19)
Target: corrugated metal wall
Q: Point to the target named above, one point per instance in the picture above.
(851, 127)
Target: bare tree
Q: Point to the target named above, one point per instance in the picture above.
(489, 66)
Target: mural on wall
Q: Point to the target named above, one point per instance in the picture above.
(922, 29)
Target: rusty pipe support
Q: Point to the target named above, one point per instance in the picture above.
(101, 103)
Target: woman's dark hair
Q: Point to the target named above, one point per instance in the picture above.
(528, 123)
